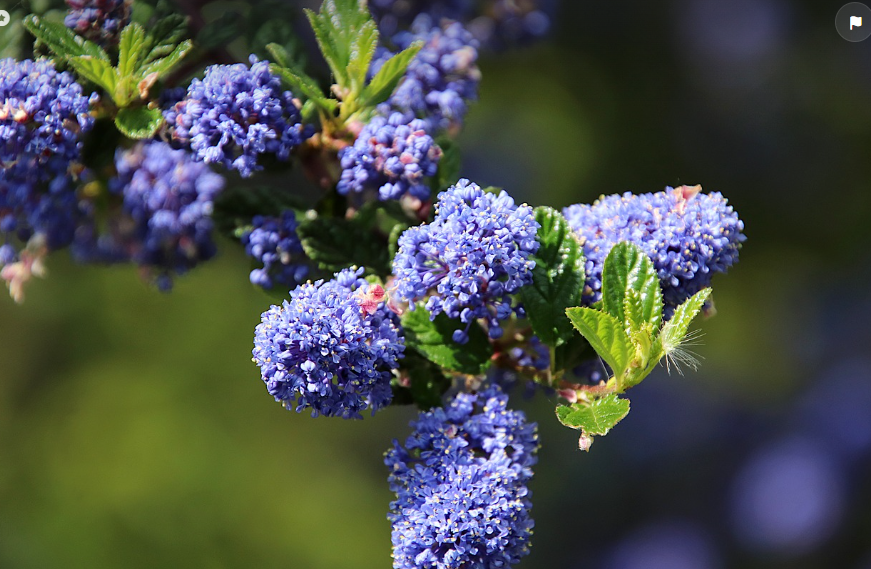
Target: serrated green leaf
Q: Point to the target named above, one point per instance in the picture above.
(362, 51)
(303, 85)
(557, 279)
(606, 335)
(280, 55)
(164, 65)
(130, 49)
(347, 36)
(450, 164)
(596, 418)
(675, 329)
(164, 36)
(62, 41)
(434, 341)
(388, 77)
(327, 44)
(335, 244)
(139, 122)
(628, 268)
(97, 71)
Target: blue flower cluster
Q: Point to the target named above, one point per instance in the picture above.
(100, 21)
(392, 155)
(330, 348)
(470, 259)
(273, 242)
(688, 235)
(169, 197)
(495, 23)
(441, 79)
(42, 116)
(235, 114)
(460, 484)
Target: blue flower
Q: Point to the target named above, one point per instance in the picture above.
(689, 236)
(330, 348)
(100, 21)
(470, 259)
(441, 79)
(42, 116)
(273, 242)
(460, 484)
(235, 114)
(168, 196)
(392, 155)
(495, 23)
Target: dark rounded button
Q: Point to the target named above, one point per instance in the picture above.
(853, 21)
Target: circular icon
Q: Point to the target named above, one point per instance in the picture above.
(4, 18)
(853, 21)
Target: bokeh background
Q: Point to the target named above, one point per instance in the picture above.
(135, 431)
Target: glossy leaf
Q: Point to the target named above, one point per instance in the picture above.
(97, 71)
(130, 49)
(628, 268)
(434, 340)
(164, 36)
(606, 335)
(388, 77)
(139, 122)
(338, 243)
(62, 41)
(595, 418)
(557, 279)
(164, 65)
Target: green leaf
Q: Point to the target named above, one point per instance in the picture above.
(347, 36)
(338, 243)
(280, 55)
(596, 418)
(434, 340)
(675, 330)
(302, 84)
(606, 335)
(164, 65)
(450, 163)
(557, 279)
(164, 36)
(362, 51)
(626, 269)
(139, 122)
(97, 71)
(130, 49)
(389, 76)
(62, 41)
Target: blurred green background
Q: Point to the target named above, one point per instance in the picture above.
(135, 431)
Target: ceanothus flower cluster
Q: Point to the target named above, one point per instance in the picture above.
(100, 21)
(460, 484)
(273, 242)
(169, 197)
(392, 155)
(470, 259)
(495, 23)
(235, 114)
(441, 79)
(330, 348)
(42, 116)
(688, 235)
